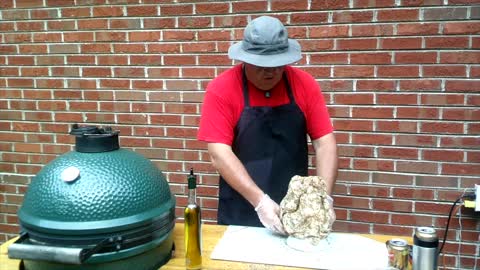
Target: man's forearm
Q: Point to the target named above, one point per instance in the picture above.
(234, 173)
(326, 160)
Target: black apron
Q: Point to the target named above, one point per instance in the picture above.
(271, 142)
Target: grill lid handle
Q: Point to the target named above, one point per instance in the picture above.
(68, 255)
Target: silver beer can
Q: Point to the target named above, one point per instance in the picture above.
(425, 249)
(398, 254)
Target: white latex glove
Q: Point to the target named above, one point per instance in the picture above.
(331, 211)
(268, 212)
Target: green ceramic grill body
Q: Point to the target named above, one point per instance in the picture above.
(111, 193)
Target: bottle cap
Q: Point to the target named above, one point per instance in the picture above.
(192, 180)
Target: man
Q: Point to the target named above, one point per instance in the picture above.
(255, 119)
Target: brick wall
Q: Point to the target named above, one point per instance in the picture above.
(401, 79)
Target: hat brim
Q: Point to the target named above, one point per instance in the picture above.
(292, 55)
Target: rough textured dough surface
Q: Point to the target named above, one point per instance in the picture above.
(304, 211)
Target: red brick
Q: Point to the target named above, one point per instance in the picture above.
(95, 48)
(147, 84)
(432, 207)
(398, 153)
(417, 167)
(398, 71)
(153, 36)
(392, 205)
(176, 10)
(354, 125)
(442, 99)
(370, 58)
(377, 85)
(117, 84)
(92, 24)
(376, 3)
(129, 72)
(460, 57)
(353, 71)
(129, 95)
(328, 31)
(212, 8)
(177, 60)
(400, 43)
(373, 164)
(174, 35)
(356, 151)
(405, 99)
(239, 7)
(415, 58)
(50, 60)
(379, 30)
(334, 4)
(413, 193)
(418, 113)
(461, 169)
(353, 176)
(357, 44)
(30, 26)
(412, 220)
(107, 11)
(75, 12)
(392, 230)
(146, 60)
(163, 48)
(398, 15)
(461, 114)
(417, 85)
(442, 155)
(372, 112)
(444, 71)
(446, 42)
(418, 29)
(110, 36)
(369, 191)
(352, 16)
(143, 11)
(368, 216)
(158, 23)
(316, 45)
(115, 60)
(198, 72)
(125, 23)
(81, 83)
(96, 72)
(78, 37)
(52, 105)
(442, 127)
(21, 60)
(213, 35)
(47, 37)
(230, 21)
(461, 28)
(464, 142)
(395, 126)
(60, 25)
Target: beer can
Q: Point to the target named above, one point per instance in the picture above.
(398, 254)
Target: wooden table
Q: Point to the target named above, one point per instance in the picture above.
(210, 236)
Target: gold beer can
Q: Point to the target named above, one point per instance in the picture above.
(398, 254)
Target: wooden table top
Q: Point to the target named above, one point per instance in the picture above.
(211, 234)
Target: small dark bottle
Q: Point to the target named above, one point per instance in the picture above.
(193, 227)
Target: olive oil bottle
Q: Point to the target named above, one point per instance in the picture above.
(193, 229)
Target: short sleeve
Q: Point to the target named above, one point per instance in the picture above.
(216, 122)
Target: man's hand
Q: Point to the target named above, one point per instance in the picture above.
(331, 211)
(268, 212)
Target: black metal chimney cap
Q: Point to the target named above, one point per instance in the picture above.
(92, 139)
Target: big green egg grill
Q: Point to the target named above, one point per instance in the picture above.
(97, 207)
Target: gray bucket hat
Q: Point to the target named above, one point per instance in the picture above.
(266, 44)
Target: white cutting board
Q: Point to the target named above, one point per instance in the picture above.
(258, 245)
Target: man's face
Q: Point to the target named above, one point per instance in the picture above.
(264, 78)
